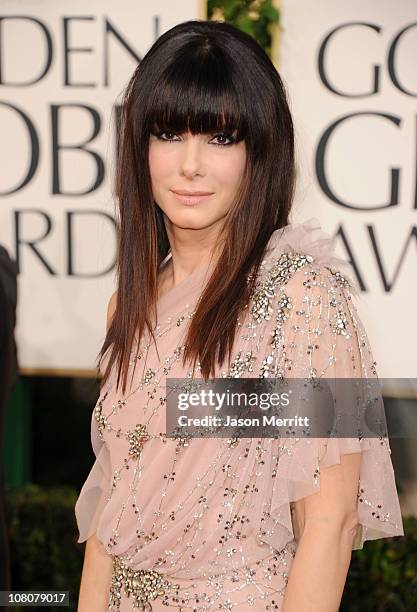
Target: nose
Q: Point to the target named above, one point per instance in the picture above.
(192, 156)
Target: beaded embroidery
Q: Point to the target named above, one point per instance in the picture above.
(142, 586)
(298, 322)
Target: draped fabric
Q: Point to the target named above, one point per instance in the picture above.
(202, 508)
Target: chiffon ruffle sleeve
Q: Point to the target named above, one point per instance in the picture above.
(212, 514)
(95, 492)
(312, 330)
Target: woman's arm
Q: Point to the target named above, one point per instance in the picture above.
(96, 577)
(97, 567)
(327, 521)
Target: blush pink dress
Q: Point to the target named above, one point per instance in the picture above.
(208, 524)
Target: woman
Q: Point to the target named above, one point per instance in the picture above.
(213, 281)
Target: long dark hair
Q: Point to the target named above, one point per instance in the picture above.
(201, 76)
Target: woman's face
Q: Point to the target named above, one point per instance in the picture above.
(209, 163)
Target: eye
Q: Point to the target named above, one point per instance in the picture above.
(160, 135)
(223, 135)
(168, 136)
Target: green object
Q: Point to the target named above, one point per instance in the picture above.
(43, 536)
(17, 444)
(382, 576)
(254, 17)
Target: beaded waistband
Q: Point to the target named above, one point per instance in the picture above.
(143, 586)
(262, 582)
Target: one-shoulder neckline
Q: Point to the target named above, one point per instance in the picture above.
(183, 290)
(305, 236)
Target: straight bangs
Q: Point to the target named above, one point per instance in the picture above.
(196, 93)
(203, 78)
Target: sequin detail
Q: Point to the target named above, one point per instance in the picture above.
(220, 591)
(142, 587)
(279, 274)
(232, 519)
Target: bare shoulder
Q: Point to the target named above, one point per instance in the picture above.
(111, 308)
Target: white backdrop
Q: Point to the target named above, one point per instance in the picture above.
(63, 67)
(350, 69)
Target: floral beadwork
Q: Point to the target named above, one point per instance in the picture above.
(199, 525)
(279, 274)
(99, 416)
(136, 439)
(142, 587)
(376, 509)
(241, 364)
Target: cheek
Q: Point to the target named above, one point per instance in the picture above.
(231, 171)
(157, 164)
(153, 163)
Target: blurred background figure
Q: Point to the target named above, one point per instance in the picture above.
(8, 377)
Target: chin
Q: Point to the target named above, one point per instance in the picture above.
(190, 224)
(190, 220)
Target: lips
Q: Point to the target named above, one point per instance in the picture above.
(191, 198)
(184, 192)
